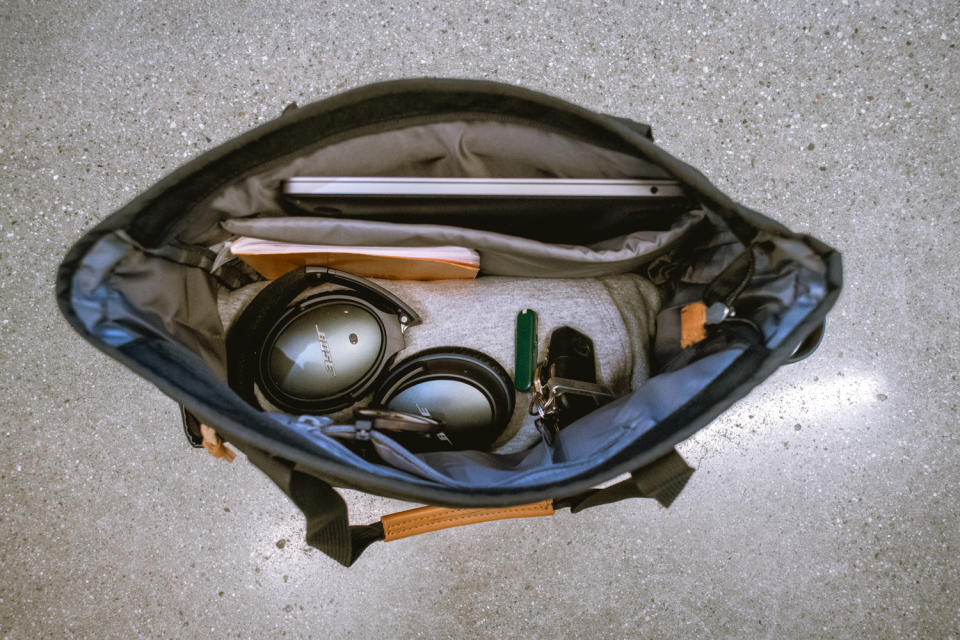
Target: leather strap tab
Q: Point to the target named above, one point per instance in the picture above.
(214, 444)
(424, 519)
(693, 324)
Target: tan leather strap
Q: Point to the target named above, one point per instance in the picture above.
(693, 324)
(214, 444)
(416, 521)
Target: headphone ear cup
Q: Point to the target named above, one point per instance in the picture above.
(290, 350)
(245, 336)
(467, 390)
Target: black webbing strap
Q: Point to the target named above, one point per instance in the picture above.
(232, 274)
(662, 480)
(328, 527)
(235, 274)
(731, 282)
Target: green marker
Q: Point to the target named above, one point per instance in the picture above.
(526, 357)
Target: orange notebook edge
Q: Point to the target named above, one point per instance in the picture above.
(272, 266)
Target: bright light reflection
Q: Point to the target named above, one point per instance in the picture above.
(829, 398)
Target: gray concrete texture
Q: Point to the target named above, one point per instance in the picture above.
(825, 504)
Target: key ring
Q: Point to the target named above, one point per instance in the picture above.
(542, 402)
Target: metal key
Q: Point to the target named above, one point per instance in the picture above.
(546, 397)
(557, 387)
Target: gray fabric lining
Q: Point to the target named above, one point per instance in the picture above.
(189, 318)
(160, 293)
(121, 292)
(476, 149)
(500, 254)
(617, 312)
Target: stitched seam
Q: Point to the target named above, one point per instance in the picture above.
(452, 517)
(422, 521)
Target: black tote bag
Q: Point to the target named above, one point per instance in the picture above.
(142, 287)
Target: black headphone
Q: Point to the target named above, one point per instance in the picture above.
(323, 352)
(318, 354)
(466, 390)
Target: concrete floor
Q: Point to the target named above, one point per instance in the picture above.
(826, 503)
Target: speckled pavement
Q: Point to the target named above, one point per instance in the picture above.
(825, 504)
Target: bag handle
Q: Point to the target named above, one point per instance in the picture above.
(412, 522)
(328, 527)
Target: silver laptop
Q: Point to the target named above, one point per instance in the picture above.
(546, 209)
(339, 187)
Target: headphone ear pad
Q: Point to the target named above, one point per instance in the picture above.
(467, 390)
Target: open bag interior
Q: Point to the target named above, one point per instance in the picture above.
(619, 276)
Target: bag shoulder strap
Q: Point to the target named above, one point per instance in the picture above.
(663, 480)
(329, 530)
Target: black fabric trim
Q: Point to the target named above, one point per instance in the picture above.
(155, 217)
(191, 428)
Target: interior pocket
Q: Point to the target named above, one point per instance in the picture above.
(500, 254)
